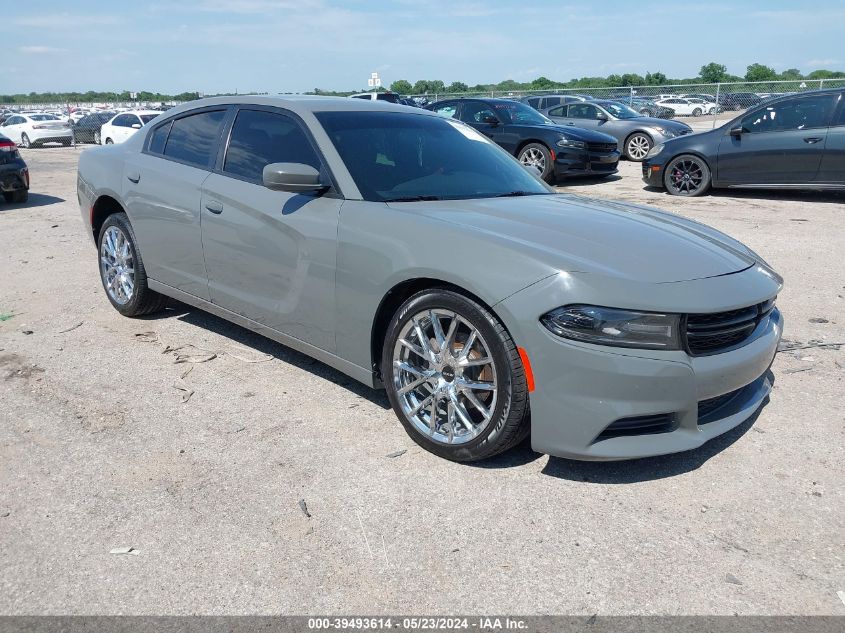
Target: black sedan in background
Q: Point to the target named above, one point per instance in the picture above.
(87, 129)
(793, 142)
(556, 151)
(14, 175)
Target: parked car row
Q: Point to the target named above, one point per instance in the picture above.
(555, 151)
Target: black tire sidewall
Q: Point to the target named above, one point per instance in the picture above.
(548, 172)
(705, 185)
(484, 444)
(134, 305)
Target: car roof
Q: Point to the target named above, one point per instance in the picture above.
(299, 104)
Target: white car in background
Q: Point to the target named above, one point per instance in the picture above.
(686, 107)
(124, 125)
(28, 130)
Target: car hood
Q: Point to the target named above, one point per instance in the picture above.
(573, 233)
(571, 132)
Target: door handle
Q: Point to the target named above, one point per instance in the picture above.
(812, 139)
(570, 124)
(134, 177)
(214, 206)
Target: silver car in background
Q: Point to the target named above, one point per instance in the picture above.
(412, 253)
(635, 133)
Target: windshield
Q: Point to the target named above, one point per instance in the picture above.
(621, 111)
(43, 117)
(520, 113)
(393, 156)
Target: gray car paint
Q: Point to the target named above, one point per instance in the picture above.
(622, 129)
(521, 256)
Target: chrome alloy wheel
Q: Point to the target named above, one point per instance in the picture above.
(533, 157)
(638, 147)
(444, 376)
(117, 266)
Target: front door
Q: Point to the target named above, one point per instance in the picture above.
(482, 116)
(781, 143)
(271, 255)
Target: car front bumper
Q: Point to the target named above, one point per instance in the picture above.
(584, 391)
(569, 163)
(652, 172)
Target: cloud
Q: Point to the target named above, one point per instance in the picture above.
(41, 50)
(66, 21)
(823, 62)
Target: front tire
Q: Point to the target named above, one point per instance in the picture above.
(25, 143)
(637, 146)
(696, 112)
(686, 176)
(97, 138)
(454, 377)
(122, 269)
(109, 141)
(538, 155)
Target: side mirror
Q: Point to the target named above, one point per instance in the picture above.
(491, 120)
(292, 177)
(136, 126)
(601, 116)
(736, 131)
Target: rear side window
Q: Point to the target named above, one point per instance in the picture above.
(192, 138)
(260, 138)
(159, 138)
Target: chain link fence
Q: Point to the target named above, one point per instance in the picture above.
(702, 105)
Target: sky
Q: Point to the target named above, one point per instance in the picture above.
(214, 46)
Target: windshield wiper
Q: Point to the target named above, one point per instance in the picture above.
(414, 199)
(514, 194)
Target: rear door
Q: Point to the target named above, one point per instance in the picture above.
(832, 169)
(781, 143)
(163, 191)
(271, 255)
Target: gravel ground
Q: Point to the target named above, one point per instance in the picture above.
(98, 451)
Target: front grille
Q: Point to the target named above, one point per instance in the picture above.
(713, 333)
(640, 425)
(601, 148)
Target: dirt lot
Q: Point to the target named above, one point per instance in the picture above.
(98, 451)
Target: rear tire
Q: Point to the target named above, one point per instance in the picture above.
(696, 112)
(480, 408)
(686, 176)
(140, 300)
(97, 138)
(109, 141)
(538, 155)
(25, 143)
(16, 197)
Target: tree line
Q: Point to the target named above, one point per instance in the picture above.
(708, 74)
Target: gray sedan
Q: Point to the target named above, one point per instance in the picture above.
(636, 134)
(413, 254)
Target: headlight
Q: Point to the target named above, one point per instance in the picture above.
(565, 142)
(611, 326)
(654, 151)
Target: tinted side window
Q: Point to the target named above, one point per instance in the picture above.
(159, 138)
(841, 118)
(803, 113)
(367, 97)
(192, 138)
(121, 120)
(260, 138)
(551, 101)
(476, 112)
(535, 102)
(447, 109)
(583, 111)
(558, 111)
